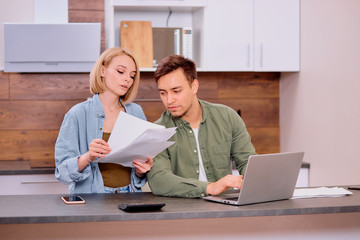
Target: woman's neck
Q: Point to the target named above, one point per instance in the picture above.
(110, 101)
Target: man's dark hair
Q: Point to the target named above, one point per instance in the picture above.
(174, 62)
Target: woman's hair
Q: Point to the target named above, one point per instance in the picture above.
(172, 63)
(97, 84)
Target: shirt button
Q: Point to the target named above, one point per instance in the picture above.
(97, 115)
(195, 151)
(197, 171)
(190, 131)
(100, 128)
(202, 195)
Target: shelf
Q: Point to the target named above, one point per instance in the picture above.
(185, 13)
(145, 5)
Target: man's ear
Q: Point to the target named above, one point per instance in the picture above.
(195, 86)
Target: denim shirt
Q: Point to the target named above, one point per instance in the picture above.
(83, 123)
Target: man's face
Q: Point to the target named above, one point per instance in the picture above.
(176, 93)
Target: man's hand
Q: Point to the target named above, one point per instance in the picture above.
(223, 184)
(143, 168)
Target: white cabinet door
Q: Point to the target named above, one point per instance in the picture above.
(277, 35)
(228, 35)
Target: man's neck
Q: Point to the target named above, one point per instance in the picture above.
(193, 115)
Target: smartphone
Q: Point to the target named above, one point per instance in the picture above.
(355, 187)
(73, 199)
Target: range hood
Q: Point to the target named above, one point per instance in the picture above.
(62, 47)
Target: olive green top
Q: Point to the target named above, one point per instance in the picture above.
(114, 175)
(222, 138)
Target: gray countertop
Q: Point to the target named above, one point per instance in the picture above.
(19, 209)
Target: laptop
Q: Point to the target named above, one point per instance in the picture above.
(268, 177)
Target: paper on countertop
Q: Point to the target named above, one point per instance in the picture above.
(320, 192)
(134, 138)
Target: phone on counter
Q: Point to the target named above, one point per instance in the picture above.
(73, 200)
(355, 187)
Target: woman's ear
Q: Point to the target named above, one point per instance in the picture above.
(102, 71)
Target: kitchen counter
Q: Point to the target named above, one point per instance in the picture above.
(103, 207)
(46, 216)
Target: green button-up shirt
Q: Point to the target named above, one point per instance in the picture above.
(222, 137)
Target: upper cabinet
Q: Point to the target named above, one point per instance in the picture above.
(276, 35)
(228, 35)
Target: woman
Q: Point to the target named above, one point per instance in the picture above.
(114, 81)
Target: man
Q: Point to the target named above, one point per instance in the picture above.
(209, 136)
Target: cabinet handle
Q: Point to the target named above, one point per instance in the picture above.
(261, 55)
(39, 181)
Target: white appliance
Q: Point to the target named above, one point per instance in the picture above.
(55, 47)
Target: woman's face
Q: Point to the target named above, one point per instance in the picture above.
(119, 75)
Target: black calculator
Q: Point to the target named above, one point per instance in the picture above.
(140, 207)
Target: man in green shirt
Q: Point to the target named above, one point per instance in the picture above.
(208, 138)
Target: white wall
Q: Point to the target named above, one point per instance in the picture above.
(320, 105)
(13, 11)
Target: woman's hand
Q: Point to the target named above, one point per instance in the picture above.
(142, 167)
(97, 148)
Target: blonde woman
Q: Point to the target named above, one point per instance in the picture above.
(114, 81)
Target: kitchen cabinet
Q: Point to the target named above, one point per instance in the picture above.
(277, 35)
(21, 184)
(228, 35)
(252, 35)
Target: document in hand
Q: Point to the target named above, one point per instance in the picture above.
(133, 138)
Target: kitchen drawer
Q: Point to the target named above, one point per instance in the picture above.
(31, 184)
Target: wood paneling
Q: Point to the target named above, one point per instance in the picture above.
(4, 85)
(152, 109)
(30, 145)
(34, 115)
(255, 112)
(47, 86)
(86, 5)
(265, 139)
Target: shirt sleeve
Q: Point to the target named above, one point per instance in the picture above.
(241, 146)
(136, 182)
(67, 152)
(164, 182)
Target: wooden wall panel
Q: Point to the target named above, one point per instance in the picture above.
(49, 86)
(86, 5)
(34, 145)
(255, 112)
(265, 139)
(152, 109)
(35, 115)
(4, 85)
(242, 86)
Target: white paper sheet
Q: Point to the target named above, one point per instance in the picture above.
(320, 192)
(133, 138)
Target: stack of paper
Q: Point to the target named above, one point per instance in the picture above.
(320, 192)
(133, 138)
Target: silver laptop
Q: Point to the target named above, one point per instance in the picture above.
(268, 177)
